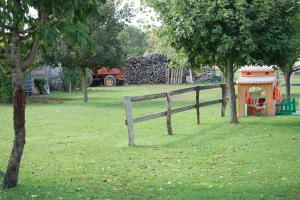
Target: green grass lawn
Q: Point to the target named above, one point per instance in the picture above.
(77, 151)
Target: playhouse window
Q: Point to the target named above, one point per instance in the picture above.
(255, 104)
(248, 73)
(267, 73)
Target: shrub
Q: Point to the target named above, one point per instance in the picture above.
(40, 84)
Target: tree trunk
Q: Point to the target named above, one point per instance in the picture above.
(231, 92)
(70, 86)
(84, 85)
(19, 103)
(287, 77)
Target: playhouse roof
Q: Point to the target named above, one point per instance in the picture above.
(256, 79)
(256, 68)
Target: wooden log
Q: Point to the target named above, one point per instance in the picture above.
(224, 99)
(198, 104)
(129, 119)
(169, 114)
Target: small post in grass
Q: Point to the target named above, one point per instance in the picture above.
(224, 99)
(129, 121)
(169, 113)
(198, 104)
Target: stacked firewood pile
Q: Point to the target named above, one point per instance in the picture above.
(146, 70)
(153, 69)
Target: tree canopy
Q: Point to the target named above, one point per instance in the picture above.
(105, 49)
(228, 33)
(21, 34)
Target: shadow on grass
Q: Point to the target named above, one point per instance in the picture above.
(187, 189)
(278, 121)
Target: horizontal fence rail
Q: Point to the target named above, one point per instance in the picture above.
(130, 120)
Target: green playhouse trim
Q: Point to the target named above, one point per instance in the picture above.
(286, 107)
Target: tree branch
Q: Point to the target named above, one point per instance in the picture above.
(44, 20)
(31, 55)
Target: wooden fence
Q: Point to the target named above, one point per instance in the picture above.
(174, 76)
(130, 120)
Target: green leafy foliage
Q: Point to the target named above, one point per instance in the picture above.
(214, 32)
(5, 88)
(103, 49)
(70, 78)
(40, 84)
(133, 40)
(157, 41)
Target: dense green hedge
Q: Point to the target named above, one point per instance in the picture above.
(5, 88)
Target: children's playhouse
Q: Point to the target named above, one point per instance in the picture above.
(258, 91)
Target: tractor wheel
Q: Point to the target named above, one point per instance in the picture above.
(110, 81)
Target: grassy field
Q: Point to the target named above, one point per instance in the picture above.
(77, 151)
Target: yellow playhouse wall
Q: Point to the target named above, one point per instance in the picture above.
(268, 89)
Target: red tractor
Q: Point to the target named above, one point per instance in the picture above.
(108, 77)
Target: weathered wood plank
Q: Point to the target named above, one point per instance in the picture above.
(169, 114)
(181, 91)
(174, 92)
(198, 104)
(208, 103)
(129, 119)
(206, 87)
(167, 76)
(148, 97)
(172, 76)
(181, 78)
(184, 108)
(149, 117)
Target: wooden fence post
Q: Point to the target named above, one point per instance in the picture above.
(198, 104)
(181, 76)
(129, 117)
(224, 99)
(167, 75)
(171, 77)
(169, 113)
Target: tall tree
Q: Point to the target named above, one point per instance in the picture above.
(278, 37)
(24, 27)
(226, 33)
(133, 40)
(282, 38)
(104, 50)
